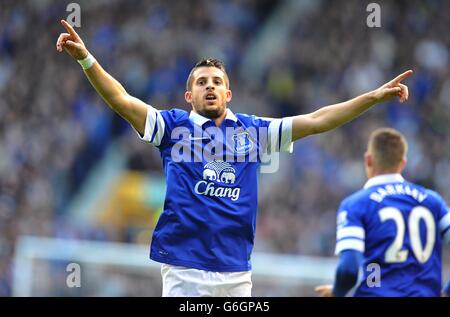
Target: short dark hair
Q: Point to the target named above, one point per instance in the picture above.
(209, 62)
(388, 147)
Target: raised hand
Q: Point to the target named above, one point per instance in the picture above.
(394, 88)
(324, 290)
(71, 42)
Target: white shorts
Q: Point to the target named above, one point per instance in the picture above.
(187, 282)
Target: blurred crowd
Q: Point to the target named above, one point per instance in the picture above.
(54, 128)
(334, 56)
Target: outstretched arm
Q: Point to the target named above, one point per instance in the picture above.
(112, 92)
(331, 117)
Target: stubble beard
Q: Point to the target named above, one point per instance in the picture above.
(213, 113)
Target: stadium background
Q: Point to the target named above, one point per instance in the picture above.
(72, 169)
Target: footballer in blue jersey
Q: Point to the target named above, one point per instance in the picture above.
(211, 158)
(209, 215)
(390, 232)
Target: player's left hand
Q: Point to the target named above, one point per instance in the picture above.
(394, 88)
(324, 290)
(71, 42)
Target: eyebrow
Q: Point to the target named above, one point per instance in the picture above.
(215, 77)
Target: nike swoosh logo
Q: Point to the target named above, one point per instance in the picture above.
(191, 138)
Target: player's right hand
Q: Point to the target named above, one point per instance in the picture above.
(324, 290)
(71, 42)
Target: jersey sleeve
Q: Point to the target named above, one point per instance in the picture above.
(155, 127)
(350, 233)
(278, 134)
(347, 272)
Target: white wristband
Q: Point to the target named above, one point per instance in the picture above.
(87, 62)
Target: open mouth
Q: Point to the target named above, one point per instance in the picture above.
(211, 97)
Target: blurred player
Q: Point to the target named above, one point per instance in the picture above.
(391, 224)
(204, 237)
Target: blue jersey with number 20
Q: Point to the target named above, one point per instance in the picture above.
(399, 227)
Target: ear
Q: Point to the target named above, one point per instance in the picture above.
(403, 164)
(229, 95)
(188, 96)
(368, 160)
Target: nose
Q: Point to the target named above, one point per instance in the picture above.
(210, 86)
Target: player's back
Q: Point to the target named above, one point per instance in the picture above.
(402, 237)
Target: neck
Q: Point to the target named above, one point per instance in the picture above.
(374, 173)
(220, 119)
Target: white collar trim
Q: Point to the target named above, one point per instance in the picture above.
(201, 120)
(384, 179)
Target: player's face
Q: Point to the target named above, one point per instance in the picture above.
(209, 93)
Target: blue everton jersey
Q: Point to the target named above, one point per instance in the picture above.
(209, 215)
(398, 226)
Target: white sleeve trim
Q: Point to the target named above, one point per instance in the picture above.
(351, 232)
(154, 127)
(283, 142)
(349, 244)
(444, 223)
(286, 136)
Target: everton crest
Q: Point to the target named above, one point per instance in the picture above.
(242, 143)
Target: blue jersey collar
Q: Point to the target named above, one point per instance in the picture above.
(384, 179)
(201, 120)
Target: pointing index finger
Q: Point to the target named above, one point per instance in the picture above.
(69, 28)
(402, 77)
